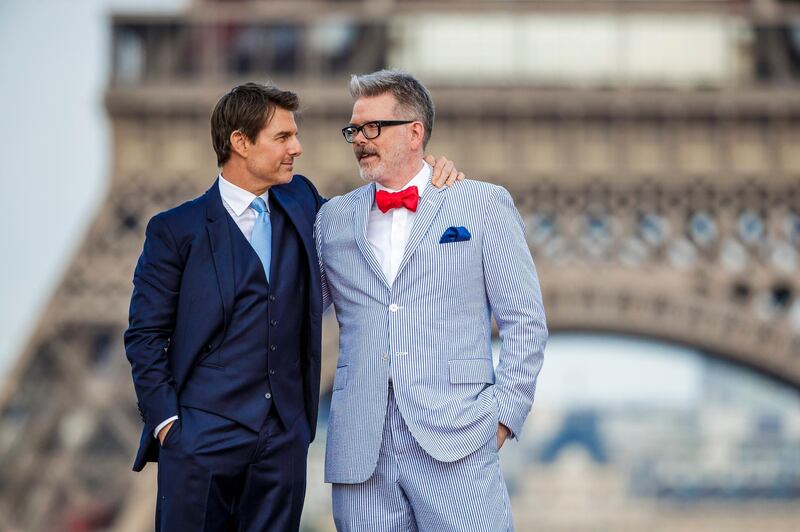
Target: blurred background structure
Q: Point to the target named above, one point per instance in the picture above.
(653, 148)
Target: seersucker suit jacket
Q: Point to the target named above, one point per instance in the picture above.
(432, 325)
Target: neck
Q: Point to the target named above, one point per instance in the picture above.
(402, 176)
(235, 174)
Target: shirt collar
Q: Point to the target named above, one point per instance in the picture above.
(420, 180)
(238, 199)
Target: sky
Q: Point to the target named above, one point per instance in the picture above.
(54, 144)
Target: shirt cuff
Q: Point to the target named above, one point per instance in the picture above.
(162, 425)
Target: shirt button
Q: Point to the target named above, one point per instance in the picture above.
(273, 322)
(272, 297)
(385, 356)
(393, 307)
(272, 372)
(273, 347)
(267, 396)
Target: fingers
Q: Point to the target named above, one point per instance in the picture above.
(444, 171)
(442, 168)
(454, 176)
(447, 172)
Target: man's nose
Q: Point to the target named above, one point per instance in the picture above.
(360, 139)
(296, 149)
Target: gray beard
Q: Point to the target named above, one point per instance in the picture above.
(370, 175)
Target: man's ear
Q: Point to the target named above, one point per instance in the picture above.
(417, 134)
(240, 144)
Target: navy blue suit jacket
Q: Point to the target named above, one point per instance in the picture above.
(183, 296)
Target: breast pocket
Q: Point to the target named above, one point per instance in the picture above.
(340, 380)
(471, 371)
(456, 250)
(458, 265)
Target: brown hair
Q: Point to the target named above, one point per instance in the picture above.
(247, 108)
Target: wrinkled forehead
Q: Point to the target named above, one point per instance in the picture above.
(381, 107)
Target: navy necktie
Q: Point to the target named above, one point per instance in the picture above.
(261, 239)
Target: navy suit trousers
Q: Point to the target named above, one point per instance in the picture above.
(216, 475)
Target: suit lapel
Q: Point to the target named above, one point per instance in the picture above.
(221, 249)
(304, 227)
(429, 205)
(361, 210)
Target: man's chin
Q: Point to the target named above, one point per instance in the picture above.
(367, 175)
(368, 172)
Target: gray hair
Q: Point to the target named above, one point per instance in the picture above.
(411, 95)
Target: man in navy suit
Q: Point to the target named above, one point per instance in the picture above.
(224, 335)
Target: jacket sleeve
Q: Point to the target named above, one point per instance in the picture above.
(156, 284)
(318, 235)
(515, 298)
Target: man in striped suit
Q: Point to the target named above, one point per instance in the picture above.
(415, 273)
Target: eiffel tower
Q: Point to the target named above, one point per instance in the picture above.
(652, 209)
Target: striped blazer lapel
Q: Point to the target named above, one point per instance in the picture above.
(361, 210)
(429, 205)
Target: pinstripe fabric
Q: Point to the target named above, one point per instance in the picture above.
(433, 325)
(405, 491)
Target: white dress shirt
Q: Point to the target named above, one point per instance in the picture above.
(388, 232)
(237, 202)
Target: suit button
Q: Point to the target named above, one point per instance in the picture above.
(208, 348)
(273, 347)
(273, 322)
(267, 396)
(272, 297)
(394, 307)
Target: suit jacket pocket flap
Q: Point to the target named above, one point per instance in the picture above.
(471, 371)
(340, 380)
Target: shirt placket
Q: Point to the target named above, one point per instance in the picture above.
(399, 217)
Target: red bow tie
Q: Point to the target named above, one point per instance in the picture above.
(408, 198)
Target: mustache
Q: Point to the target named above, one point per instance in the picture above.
(361, 151)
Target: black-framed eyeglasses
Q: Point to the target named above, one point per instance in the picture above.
(370, 130)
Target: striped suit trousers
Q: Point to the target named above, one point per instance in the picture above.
(411, 491)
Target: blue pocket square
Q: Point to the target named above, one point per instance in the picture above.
(455, 234)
